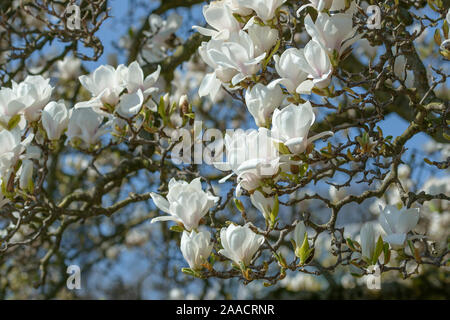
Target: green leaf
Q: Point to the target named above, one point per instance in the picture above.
(437, 37)
(190, 115)
(304, 251)
(446, 136)
(282, 148)
(267, 60)
(13, 122)
(177, 229)
(378, 250)
(191, 272)
(162, 110)
(445, 29)
(351, 245)
(387, 253)
(274, 213)
(239, 205)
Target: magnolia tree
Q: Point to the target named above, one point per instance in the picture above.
(253, 148)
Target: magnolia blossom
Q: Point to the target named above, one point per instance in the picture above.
(335, 32)
(265, 9)
(291, 77)
(316, 63)
(238, 54)
(11, 149)
(134, 79)
(34, 92)
(401, 71)
(252, 156)
(264, 37)
(219, 15)
(105, 83)
(291, 127)
(196, 248)
(130, 104)
(263, 204)
(160, 32)
(25, 173)
(68, 68)
(85, 125)
(186, 203)
(397, 223)
(240, 243)
(10, 106)
(262, 100)
(337, 194)
(368, 241)
(55, 119)
(212, 82)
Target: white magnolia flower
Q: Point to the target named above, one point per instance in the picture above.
(68, 68)
(105, 83)
(34, 92)
(365, 48)
(85, 125)
(291, 77)
(435, 186)
(264, 37)
(11, 149)
(291, 127)
(10, 106)
(335, 33)
(252, 156)
(397, 223)
(219, 16)
(238, 54)
(130, 104)
(26, 175)
(337, 194)
(265, 9)
(160, 32)
(262, 100)
(196, 248)
(212, 82)
(368, 240)
(186, 203)
(263, 204)
(55, 119)
(240, 243)
(134, 78)
(315, 62)
(401, 71)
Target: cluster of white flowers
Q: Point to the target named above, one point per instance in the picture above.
(396, 225)
(21, 107)
(187, 204)
(240, 50)
(28, 117)
(118, 94)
